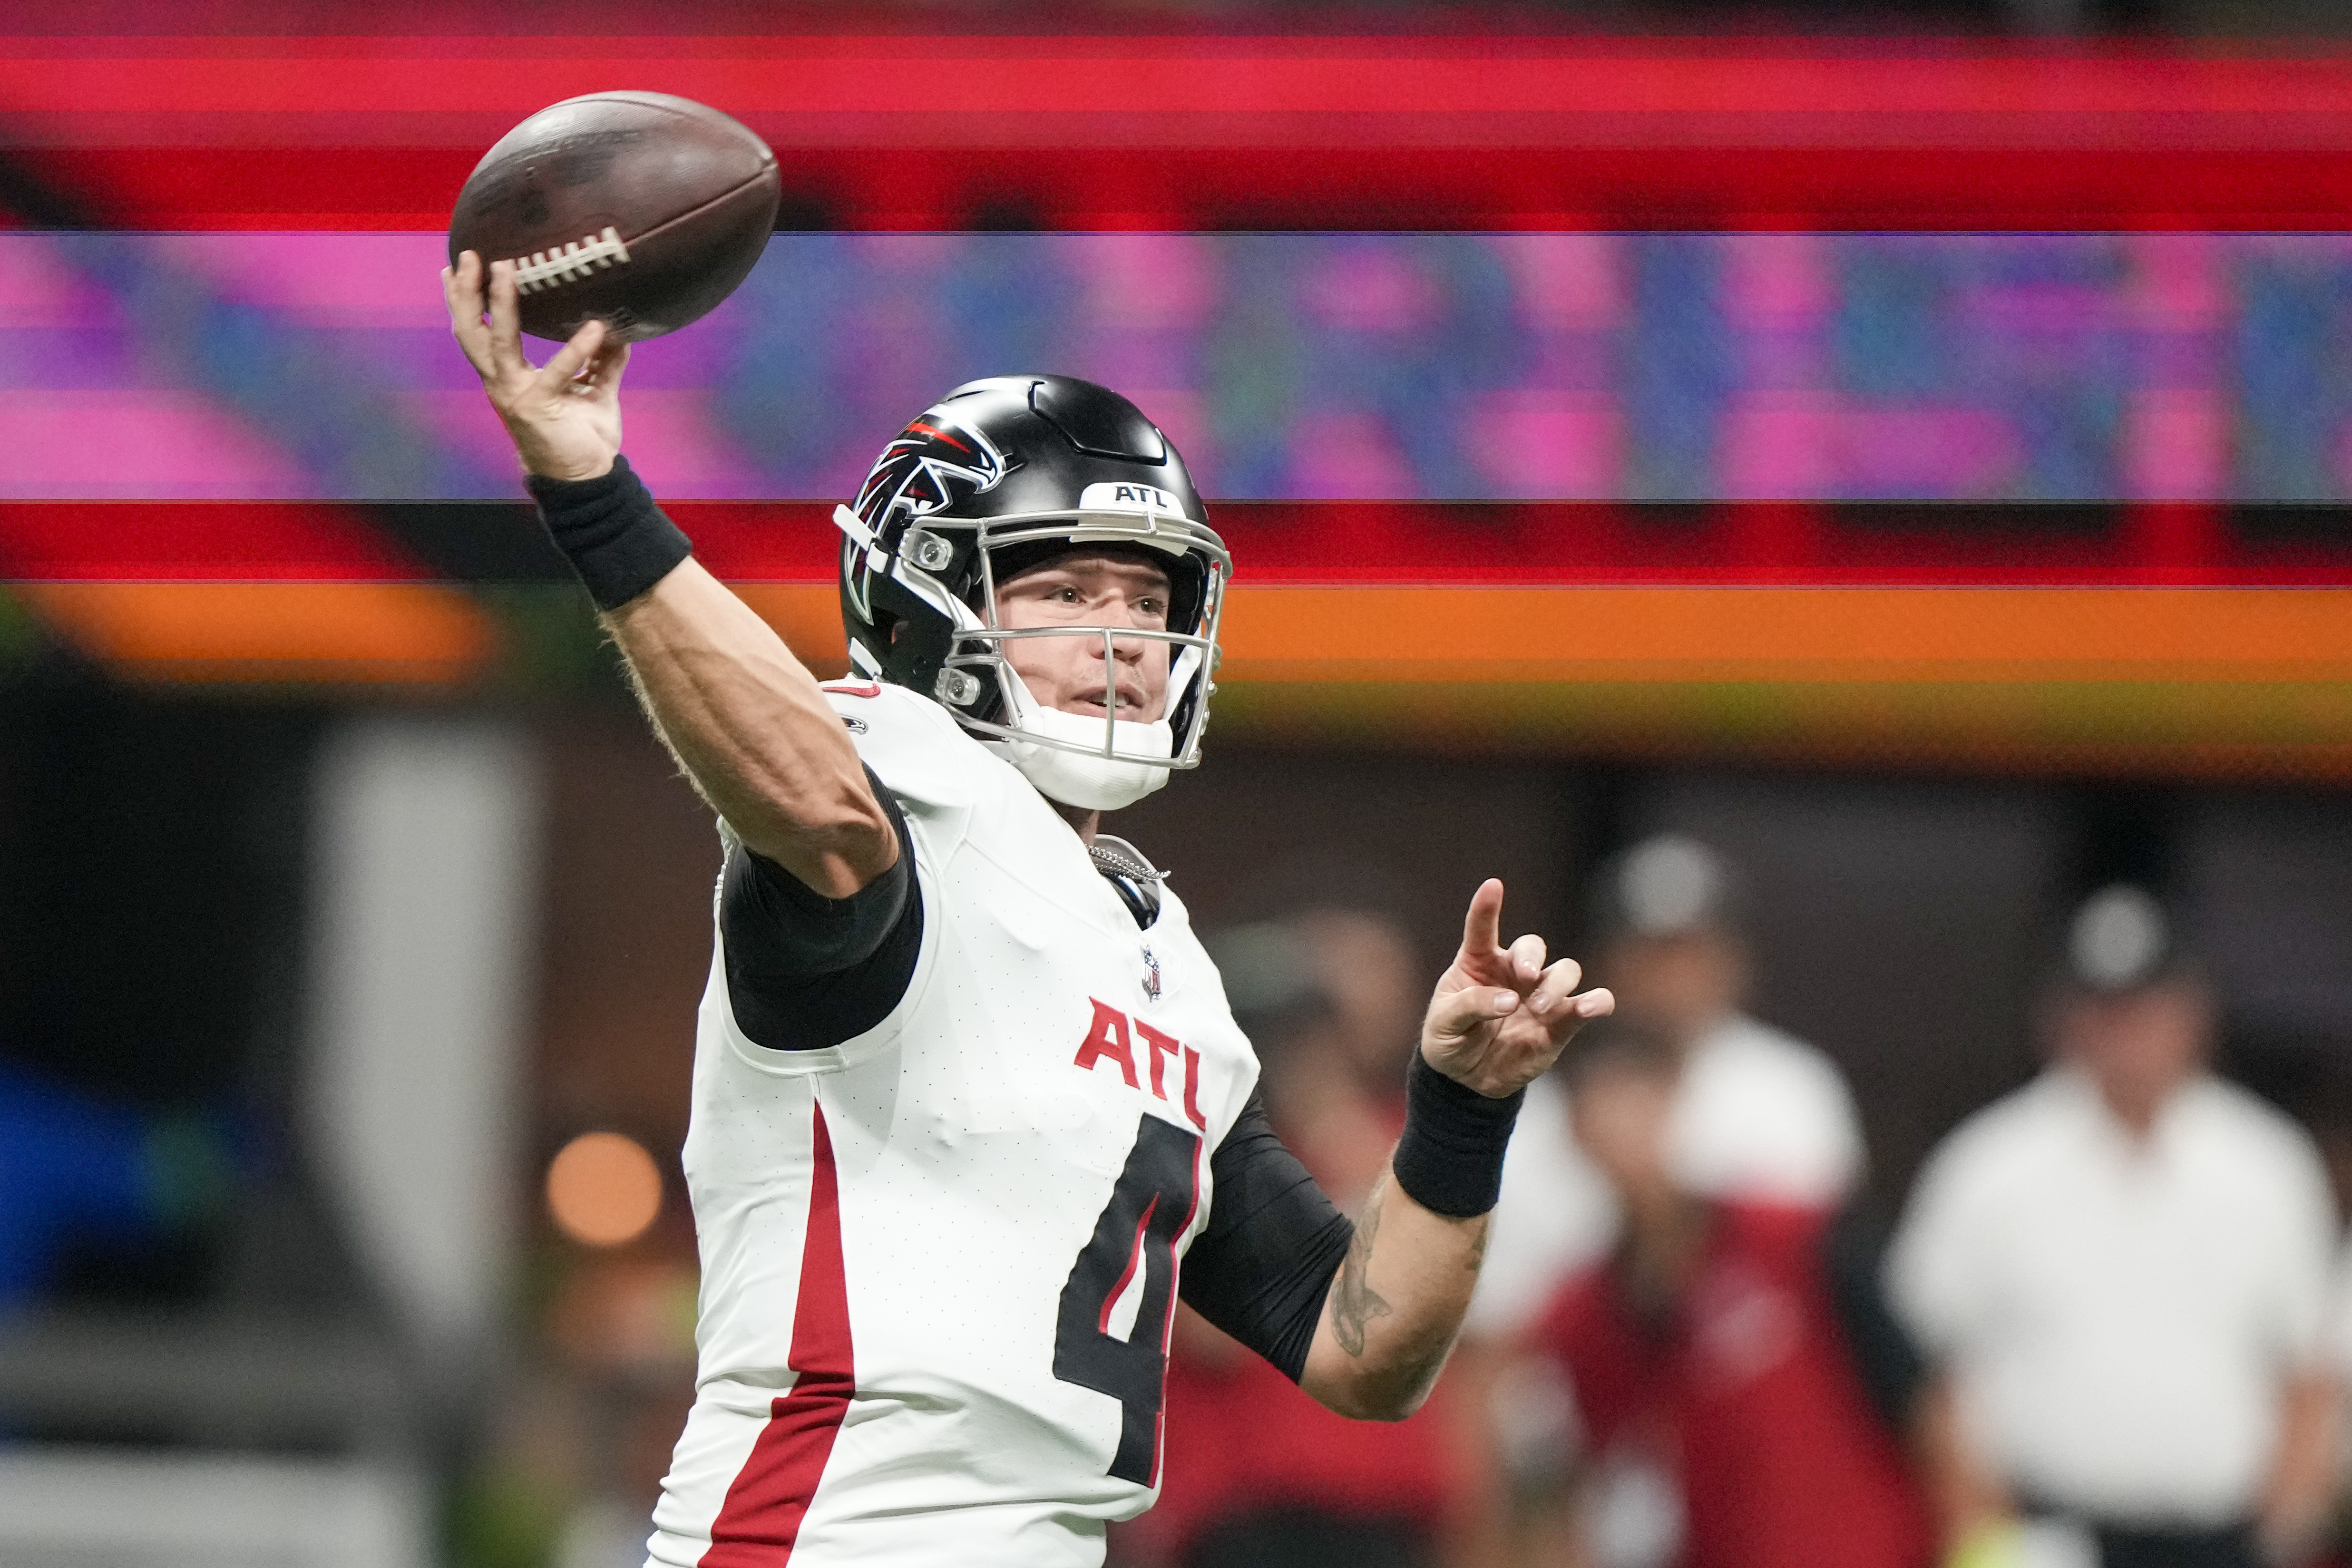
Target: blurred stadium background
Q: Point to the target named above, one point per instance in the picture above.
(1904, 445)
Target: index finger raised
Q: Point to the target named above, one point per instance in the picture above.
(1482, 926)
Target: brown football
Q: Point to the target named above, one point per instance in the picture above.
(639, 208)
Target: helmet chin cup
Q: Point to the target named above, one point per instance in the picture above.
(1064, 754)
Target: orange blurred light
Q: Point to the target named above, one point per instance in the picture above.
(406, 633)
(603, 1189)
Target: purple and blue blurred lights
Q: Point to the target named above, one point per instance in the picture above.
(1962, 367)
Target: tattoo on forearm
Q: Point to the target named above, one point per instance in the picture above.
(1354, 1302)
(1479, 1242)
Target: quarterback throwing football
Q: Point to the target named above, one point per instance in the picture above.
(970, 1111)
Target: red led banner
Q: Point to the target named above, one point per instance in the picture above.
(1192, 132)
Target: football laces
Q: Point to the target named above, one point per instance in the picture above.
(565, 264)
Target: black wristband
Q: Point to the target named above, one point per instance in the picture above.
(609, 530)
(1450, 1160)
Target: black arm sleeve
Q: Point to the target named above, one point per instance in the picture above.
(1261, 1269)
(805, 971)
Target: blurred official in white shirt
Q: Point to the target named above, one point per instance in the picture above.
(2121, 1274)
(1758, 1114)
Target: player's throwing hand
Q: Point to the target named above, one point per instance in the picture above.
(564, 415)
(1499, 1018)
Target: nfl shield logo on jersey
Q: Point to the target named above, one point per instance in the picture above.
(1151, 974)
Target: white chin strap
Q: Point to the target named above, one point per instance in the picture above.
(1085, 777)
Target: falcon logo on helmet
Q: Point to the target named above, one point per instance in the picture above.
(930, 466)
(933, 463)
(994, 478)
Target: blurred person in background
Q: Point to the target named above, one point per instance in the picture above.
(2120, 1272)
(1346, 1094)
(2323, 1103)
(1758, 1114)
(1721, 1417)
(1353, 1096)
(1255, 1479)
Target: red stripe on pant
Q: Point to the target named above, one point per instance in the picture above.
(761, 1520)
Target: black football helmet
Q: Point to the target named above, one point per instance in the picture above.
(995, 477)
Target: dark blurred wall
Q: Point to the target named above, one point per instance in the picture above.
(631, 858)
(2268, 875)
(151, 888)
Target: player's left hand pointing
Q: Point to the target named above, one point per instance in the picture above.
(1499, 1017)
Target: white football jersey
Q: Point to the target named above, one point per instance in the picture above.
(939, 1259)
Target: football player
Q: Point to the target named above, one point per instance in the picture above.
(970, 1110)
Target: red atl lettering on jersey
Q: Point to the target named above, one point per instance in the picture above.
(1192, 1089)
(1112, 1034)
(1108, 1036)
(1162, 1047)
